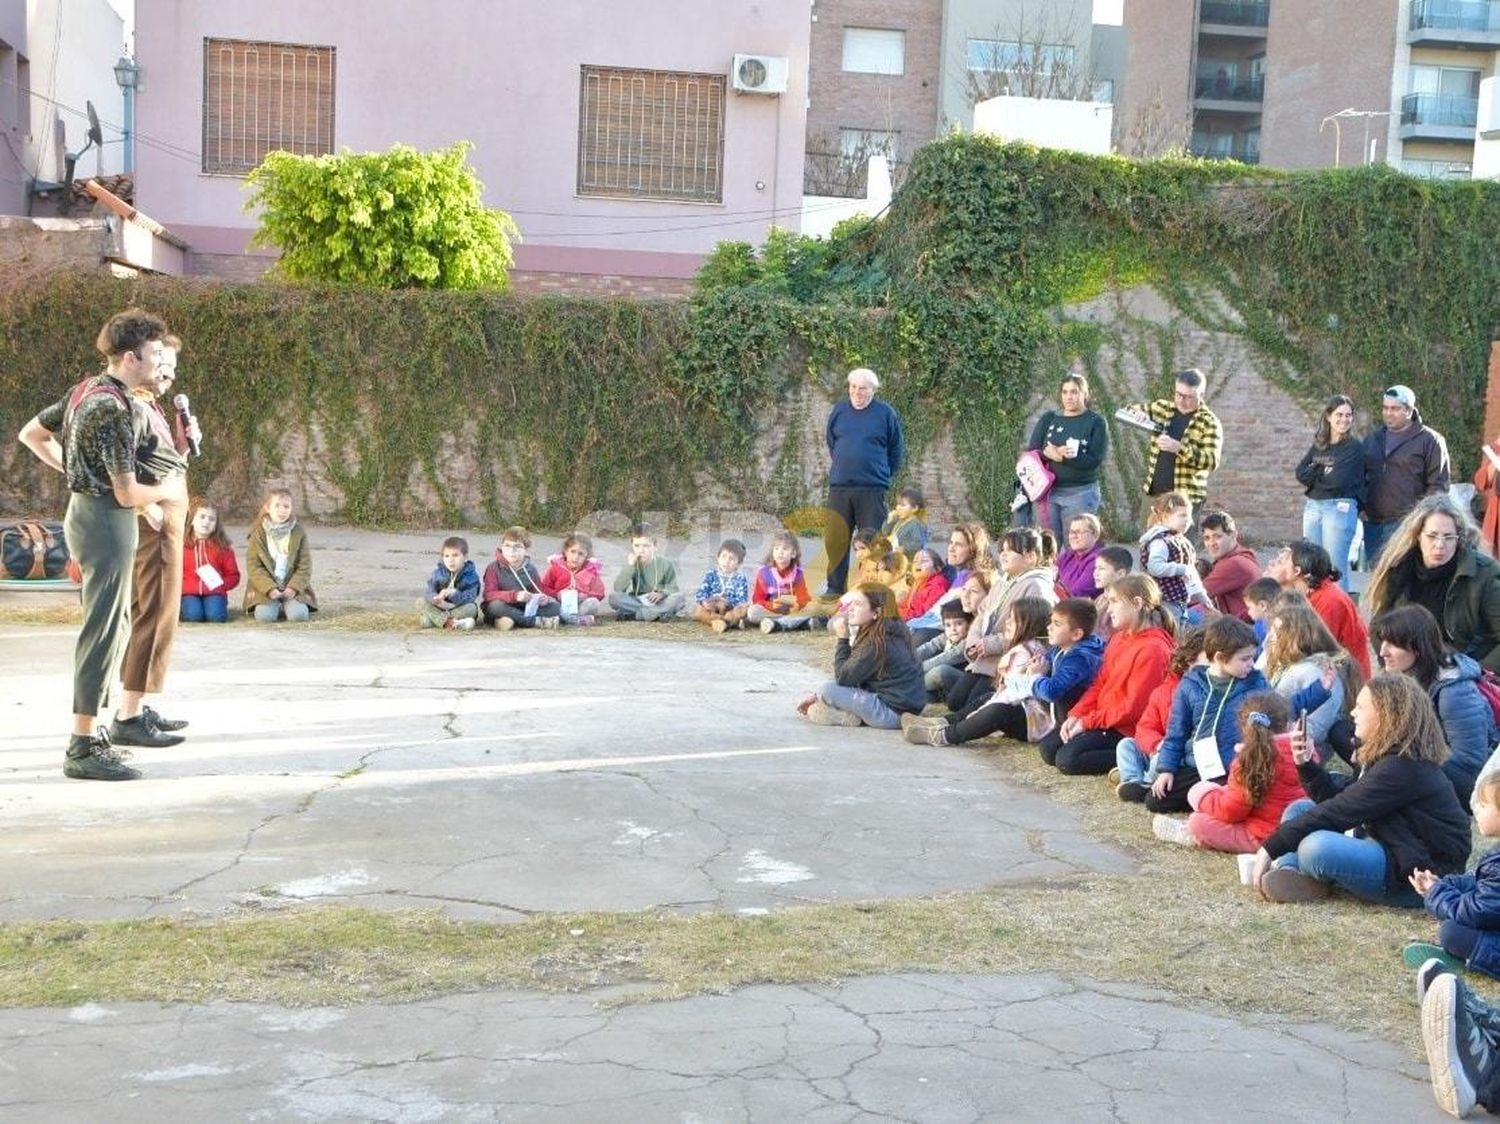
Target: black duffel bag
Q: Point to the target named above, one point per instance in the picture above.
(32, 549)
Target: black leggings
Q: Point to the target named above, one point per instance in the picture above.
(997, 718)
(1090, 753)
(965, 690)
(1175, 800)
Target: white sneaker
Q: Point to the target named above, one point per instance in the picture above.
(1170, 829)
(768, 626)
(464, 625)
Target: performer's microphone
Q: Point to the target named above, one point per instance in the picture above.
(186, 414)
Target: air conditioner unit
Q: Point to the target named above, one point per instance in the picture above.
(759, 74)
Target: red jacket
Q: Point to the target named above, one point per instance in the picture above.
(924, 595)
(771, 583)
(1231, 803)
(221, 558)
(1134, 664)
(1151, 727)
(587, 580)
(1227, 578)
(1342, 618)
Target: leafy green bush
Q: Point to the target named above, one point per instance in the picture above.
(400, 219)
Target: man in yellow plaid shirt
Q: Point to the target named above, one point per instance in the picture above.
(1190, 440)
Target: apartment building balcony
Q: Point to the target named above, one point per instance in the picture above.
(1466, 25)
(1245, 19)
(1242, 153)
(1438, 117)
(1228, 92)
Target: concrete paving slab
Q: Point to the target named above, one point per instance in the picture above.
(496, 775)
(911, 1047)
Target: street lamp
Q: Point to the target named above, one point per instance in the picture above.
(128, 77)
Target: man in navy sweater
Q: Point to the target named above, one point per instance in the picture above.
(866, 448)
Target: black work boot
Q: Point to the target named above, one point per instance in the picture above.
(170, 725)
(139, 731)
(92, 758)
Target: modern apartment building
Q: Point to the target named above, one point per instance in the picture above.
(890, 75)
(1304, 85)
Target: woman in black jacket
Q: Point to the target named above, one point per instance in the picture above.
(1433, 559)
(877, 678)
(1402, 807)
(1332, 472)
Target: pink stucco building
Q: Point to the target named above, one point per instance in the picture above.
(613, 133)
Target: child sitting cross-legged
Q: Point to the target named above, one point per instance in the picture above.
(512, 594)
(779, 597)
(1240, 814)
(941, 660)
(573, 577)
(1202, 730)
(1029, 706)
(1260, 595)
(723, 596)
(1135, 756)
(1466, 906)
(646, 589)
(452, 598)
(876, 678)
(1135, 660)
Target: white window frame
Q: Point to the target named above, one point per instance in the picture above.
(874, 50)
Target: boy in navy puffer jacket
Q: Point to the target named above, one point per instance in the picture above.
(1205, 707)
(1467, 906)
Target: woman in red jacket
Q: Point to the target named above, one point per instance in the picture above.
(1135, 661)
(1240, 814)
(209, 570)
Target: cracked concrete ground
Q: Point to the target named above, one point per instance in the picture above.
(498, 775)
(903, 1048)
(495, 776)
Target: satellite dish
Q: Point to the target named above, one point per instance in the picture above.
(96, 134)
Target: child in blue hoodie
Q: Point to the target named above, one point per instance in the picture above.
(452, 599)
(1056, 680)
(1202, 729)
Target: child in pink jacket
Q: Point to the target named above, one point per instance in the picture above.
(573, 578)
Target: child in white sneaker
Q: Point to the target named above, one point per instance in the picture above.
(779, 598)
(452, 598)
(574, 578)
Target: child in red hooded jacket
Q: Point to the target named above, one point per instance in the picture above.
(573, 578)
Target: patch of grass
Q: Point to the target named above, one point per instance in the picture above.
(71, 613)
(1182, 922)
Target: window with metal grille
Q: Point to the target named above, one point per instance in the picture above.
(261, 97)
(651, 134)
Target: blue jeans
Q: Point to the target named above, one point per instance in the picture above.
(212, 607)
(1354, 865)
(1375, 536)
(272, 611)
(1135, 767)
(867, 705)
(1064, 503)
(1332, 529)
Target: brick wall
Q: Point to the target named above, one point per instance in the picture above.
(905, 103)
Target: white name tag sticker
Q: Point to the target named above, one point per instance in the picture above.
(1342, 507)
(1206, 758)
(210, 577)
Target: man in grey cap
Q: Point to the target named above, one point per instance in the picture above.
(1404, 461)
